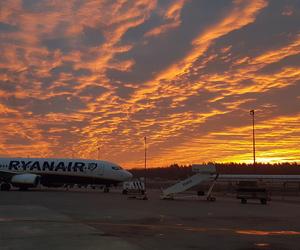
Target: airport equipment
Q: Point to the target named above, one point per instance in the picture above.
(251, 190)
(136, 186)
(204, 173)
(208, 173)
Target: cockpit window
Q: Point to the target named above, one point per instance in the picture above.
(116, 167)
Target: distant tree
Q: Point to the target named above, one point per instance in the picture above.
(176, 171)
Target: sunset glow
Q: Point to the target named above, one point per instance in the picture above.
(78, 75)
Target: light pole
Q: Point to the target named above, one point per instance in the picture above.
(253, 137)
(98, 151)
(145, 145)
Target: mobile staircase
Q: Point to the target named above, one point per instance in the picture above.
(204, 173)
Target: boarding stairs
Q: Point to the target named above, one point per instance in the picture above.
(204, 173)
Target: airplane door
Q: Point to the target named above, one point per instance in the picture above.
(100, 169)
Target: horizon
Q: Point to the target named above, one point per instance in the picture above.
(90, 79)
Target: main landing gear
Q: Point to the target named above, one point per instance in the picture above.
(4, 186)
(106, 189)
(23, 188)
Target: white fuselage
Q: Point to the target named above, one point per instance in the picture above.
(64, 170)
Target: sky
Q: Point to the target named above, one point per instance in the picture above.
(92, 78)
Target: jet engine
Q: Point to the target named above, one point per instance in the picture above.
(25, 180)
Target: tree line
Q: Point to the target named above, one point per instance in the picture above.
(176, 171)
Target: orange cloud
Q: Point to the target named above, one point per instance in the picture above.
(49, 82)
(276, 55)
(241, 15)
(172, 15)
(235, 145)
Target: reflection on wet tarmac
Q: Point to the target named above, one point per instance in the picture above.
(5, 219)
(262, 245)
(259, 232)
(159, 226)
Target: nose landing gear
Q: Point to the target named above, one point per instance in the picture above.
(106, 189)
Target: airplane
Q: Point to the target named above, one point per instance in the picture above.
(27, 173)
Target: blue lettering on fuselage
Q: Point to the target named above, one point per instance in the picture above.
(36, 165)
(46, 166)
(78, 166)
(60, 166)
(70, 166)
(13, 165)
(25, 164)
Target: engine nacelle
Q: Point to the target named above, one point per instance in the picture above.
(25, 180)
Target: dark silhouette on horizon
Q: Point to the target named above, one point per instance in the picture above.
(175, 171)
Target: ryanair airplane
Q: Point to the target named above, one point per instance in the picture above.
(27, 173)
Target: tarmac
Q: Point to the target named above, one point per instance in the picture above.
(89, 219)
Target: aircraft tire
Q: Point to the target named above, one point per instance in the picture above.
(23, 188)
(106, 190)
(210, 198)
(263, 201)
(5, 186)
(200, 193)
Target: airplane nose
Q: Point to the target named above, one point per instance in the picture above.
(128, 175)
